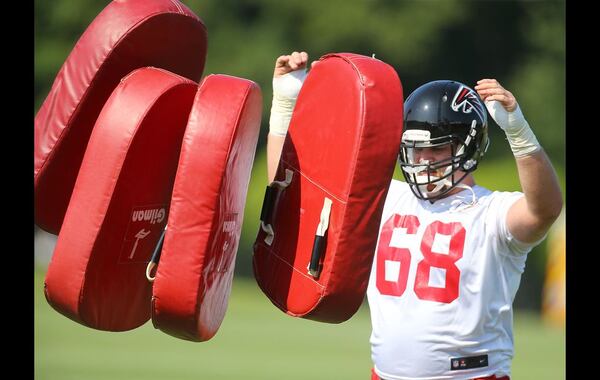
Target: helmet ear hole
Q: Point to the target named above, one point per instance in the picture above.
(469, 165)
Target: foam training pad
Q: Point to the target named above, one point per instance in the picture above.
(195, 272)
(120, 202)
(320, 217)
(126, 35)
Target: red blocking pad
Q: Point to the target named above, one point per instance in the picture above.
(120, 203)
(194, 276)
(126, 35)
(321, 215)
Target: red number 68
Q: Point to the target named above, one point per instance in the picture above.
(442, 260)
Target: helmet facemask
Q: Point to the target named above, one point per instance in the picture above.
(432, 180)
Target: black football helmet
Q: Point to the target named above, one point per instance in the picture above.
(446, 116)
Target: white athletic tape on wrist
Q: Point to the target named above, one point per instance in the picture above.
(521, 138)
(285, 92)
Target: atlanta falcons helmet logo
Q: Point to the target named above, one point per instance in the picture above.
(466, 100)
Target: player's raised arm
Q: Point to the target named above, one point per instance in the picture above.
(530, 217)
(288, 76)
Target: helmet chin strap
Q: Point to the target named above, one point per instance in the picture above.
(445, 182)
(439, 184)
(457, 202)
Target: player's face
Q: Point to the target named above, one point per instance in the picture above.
(441, 153)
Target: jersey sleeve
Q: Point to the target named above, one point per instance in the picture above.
(498, 210)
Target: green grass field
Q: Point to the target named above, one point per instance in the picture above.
(255, 341)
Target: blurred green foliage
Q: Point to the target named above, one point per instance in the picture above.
(520, 43)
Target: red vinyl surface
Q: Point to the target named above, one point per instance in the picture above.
(120, 203)
(342, 144)
(195, 272)
(126, 35)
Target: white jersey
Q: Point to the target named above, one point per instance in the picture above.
(442, 285)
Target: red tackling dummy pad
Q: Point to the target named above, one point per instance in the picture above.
(119, 204)
(126, 35)
(195, 272)
(321, 215)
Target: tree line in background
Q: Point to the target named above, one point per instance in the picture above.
(520, 43)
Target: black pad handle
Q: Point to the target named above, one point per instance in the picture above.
(267, 206)
(317, 252)
(155, 256)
